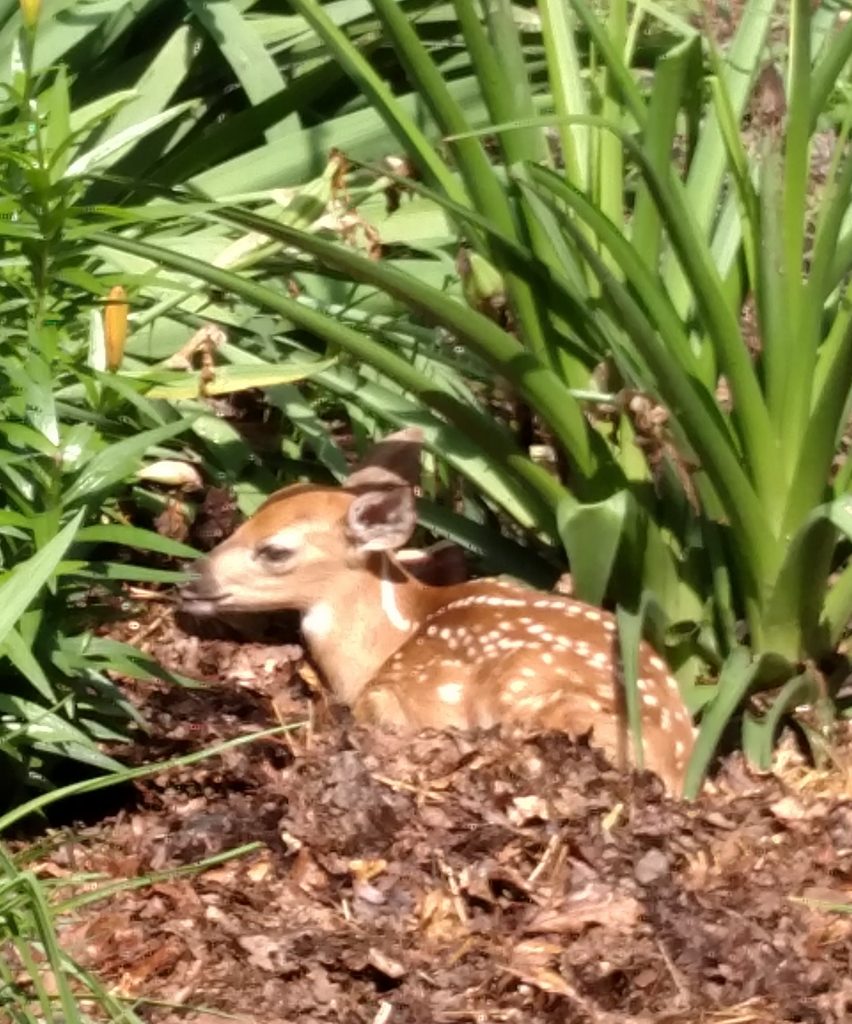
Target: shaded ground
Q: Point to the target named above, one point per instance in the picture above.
(452, 879)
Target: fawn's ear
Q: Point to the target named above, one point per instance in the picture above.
(391, 462)
(381, 520)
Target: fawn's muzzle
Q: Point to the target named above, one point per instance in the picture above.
(201, 596)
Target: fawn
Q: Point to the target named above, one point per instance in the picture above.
(409, 655)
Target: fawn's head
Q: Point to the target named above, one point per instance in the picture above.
(303, 537)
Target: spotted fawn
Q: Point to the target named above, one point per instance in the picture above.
(411, 655)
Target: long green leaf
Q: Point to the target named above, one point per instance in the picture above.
(794, 611)
(400, 124)
(759, 733)
(739, 675)
(592, 535)
(567, 87)
(241, 45)
(26, 580)
(707, 170)
(135, 537)
(118, 461)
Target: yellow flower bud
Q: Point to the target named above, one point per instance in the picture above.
(30, 10)
(115, 326)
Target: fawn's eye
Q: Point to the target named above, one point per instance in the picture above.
(274, 554)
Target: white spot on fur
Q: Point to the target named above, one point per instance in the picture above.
(651, 700)
(450, 693)
(592, 615)
(318, 622)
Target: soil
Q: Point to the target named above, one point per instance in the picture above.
(453, 878)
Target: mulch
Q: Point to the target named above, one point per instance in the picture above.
(453, 878)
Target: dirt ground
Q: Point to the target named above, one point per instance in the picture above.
(453, 879)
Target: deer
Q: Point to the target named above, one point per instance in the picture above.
(406, 654)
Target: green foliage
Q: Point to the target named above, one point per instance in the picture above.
(69, 444)
(617, 262)
(650, 309)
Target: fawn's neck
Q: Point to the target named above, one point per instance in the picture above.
(361, 622)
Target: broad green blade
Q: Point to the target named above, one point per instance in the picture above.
(23, 584)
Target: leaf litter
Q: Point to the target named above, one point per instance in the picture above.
(451, 878)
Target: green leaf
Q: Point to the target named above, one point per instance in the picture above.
(456, 447)
(26, 580)
(743, 59)
(57, 106)
(118, 462)
(630, 627)
(50, 731)
(19, 435)
(107, 153)
(243, 48)
(123, 571)
(231, 379)
(759, 733)
(837, 610)
(135, 537)
(740, 674)
(592, 535)
(793, 619)
(21, 656)
(568, 88)
(674, 75)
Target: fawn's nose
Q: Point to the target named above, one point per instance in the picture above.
(202, 595)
